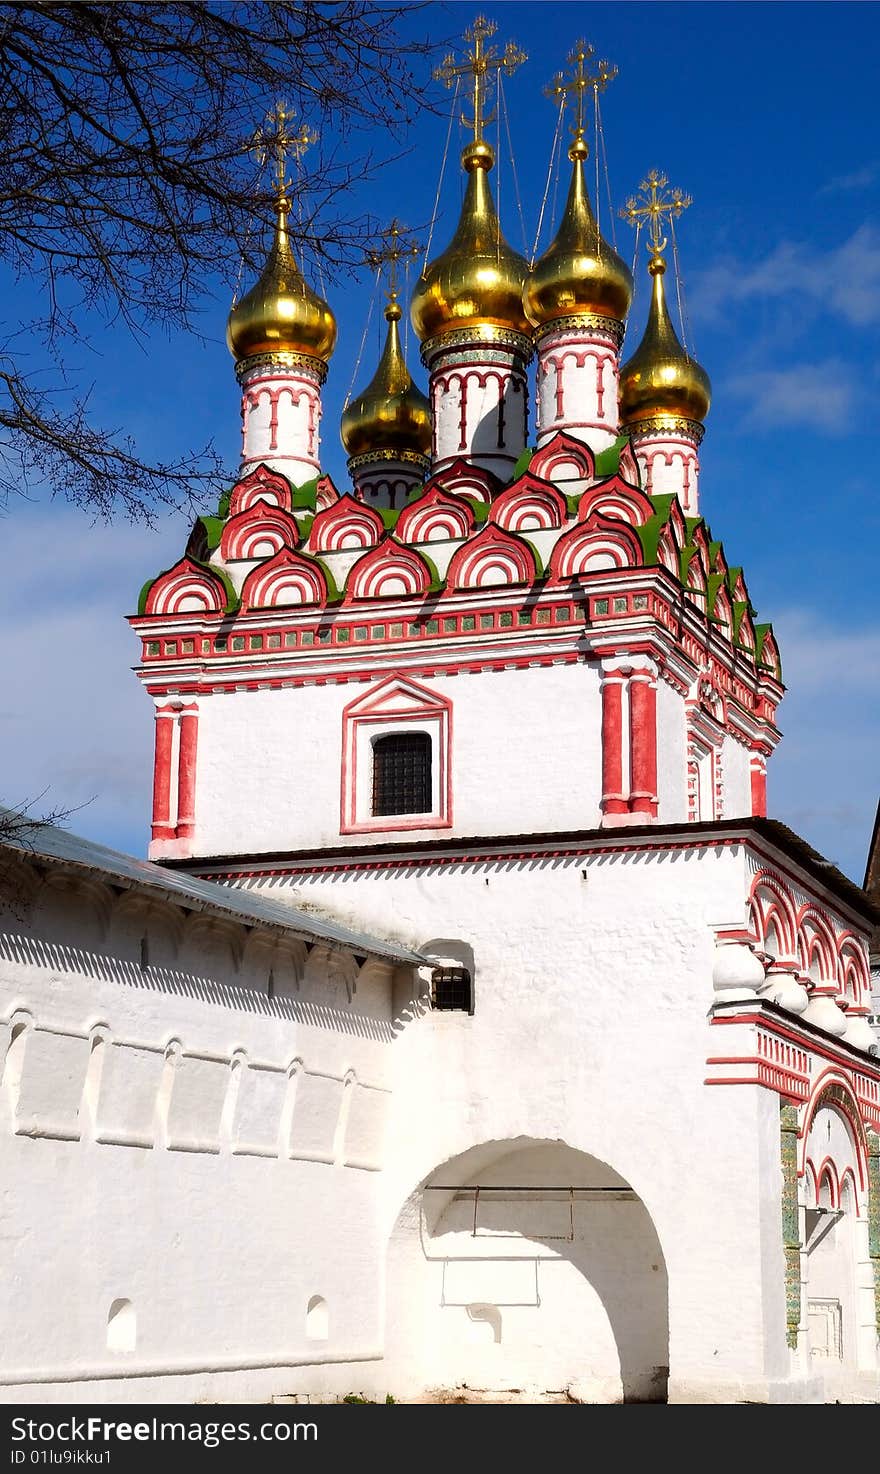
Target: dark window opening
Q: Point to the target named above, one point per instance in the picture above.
(451, 989)
(402, 774)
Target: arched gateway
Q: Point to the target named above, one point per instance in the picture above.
(527, 1264)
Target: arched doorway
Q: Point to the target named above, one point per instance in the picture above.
(527, 1264)
(835, 1237)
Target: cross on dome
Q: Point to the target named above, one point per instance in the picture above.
(397, 246)
(653, 201)
(581, 79)
(279, 140)
(478, 63)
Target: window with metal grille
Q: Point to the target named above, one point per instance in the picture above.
(451, 989)
(402, 774)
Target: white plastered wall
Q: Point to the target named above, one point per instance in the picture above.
(267, 781)
(592, 985)
(182, 1138)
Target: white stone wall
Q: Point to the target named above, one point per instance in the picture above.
(270, 762)
(525, 750)
(592, 989)
(194, 1118)
(736, 779)
(187, 1146)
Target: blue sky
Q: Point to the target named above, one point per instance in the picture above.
(766, 115)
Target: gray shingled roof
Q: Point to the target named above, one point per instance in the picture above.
(49, 844)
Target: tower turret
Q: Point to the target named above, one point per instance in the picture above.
(578, 295)
(467, 307)
(282, 334)
(386, 428)
(664, 393)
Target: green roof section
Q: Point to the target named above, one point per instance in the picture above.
(649, 532)
(762, 634)
(437, 584)
(685, 558)
(213, 531)
(523, 462)
(608, 460)
(305, 497)
(716, 583)
(540, 569)
(334, 592)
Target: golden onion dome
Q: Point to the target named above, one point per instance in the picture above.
(478, 279)
(391, 413)
(281, 313)
(661, 379)
(579, 272)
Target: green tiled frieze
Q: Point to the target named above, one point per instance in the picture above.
(791, 1238)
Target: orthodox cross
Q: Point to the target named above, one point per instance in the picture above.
(396, 246)
(582, 78)
(478, 63)
(653, 201)
(278, 138)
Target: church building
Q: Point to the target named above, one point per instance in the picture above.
(472, 1023)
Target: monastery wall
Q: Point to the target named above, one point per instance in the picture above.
(191, 1131)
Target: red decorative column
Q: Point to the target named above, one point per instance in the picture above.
(162, 826)
(613, 797)
(643, 743)
(758, 774)
(186, 771)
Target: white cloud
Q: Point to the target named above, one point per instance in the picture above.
(843, 281)
(74, 723)
(862, 178)
(819, 396)
(824, 778)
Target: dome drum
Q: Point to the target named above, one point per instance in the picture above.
(392, 457)
(284, 364)
(484, 342)
(585, 324)
(664, 425)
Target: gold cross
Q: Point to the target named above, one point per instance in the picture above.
(477, 64)
(398, 246)
(278, 139)
(653, 201)
(581, 79)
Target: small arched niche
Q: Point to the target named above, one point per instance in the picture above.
(121, 1326)
(317, 1319)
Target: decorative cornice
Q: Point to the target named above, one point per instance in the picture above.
(587, 323)
(654, 425)
(316, 367)
(378, 456)
(483, 335)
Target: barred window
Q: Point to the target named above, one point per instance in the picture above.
(402, 774)
(451, 989)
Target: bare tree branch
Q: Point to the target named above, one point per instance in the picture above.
(127, 180)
